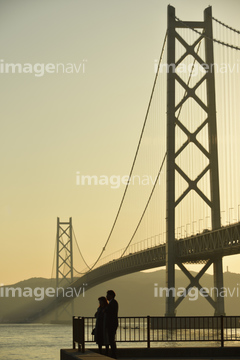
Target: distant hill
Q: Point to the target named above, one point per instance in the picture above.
(136, 294)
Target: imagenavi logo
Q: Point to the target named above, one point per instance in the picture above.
(40, 293)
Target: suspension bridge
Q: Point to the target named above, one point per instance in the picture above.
(189, 146)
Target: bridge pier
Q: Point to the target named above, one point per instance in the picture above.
(218, 284)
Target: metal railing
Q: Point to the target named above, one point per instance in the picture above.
(150, 329)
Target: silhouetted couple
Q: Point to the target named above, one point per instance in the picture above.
(107, 323)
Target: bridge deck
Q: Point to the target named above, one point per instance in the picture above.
(195, 249)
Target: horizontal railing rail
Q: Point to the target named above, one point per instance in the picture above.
(149, 329)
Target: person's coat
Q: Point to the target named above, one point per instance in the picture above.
(112, 316)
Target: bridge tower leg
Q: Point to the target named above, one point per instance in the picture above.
(211, 152)
(64, 262)
(214, 174)
(170, 209)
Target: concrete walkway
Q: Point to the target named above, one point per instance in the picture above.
(157, 353)
(73, 354)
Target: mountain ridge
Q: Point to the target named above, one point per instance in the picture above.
(138, 294)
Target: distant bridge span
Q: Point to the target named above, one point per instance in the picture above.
(195, 249)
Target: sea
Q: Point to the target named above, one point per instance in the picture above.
(34, 341)
(44, 341)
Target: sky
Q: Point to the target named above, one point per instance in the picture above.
(85, 118)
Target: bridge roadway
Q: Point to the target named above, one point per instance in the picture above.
(195, 249)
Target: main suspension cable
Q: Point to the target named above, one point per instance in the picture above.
(135, 157)
(207, 37)
(79, 253)
(145, 209)
(226, 26)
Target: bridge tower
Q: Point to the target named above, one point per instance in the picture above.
(64, 261)
(211, 152)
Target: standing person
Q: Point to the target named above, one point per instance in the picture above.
(112, 321)
(101, 334)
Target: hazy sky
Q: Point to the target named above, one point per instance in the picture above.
(55, 124)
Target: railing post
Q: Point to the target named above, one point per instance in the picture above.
(222, 332)
(82, 335)
(148, 332)
(73, 329)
